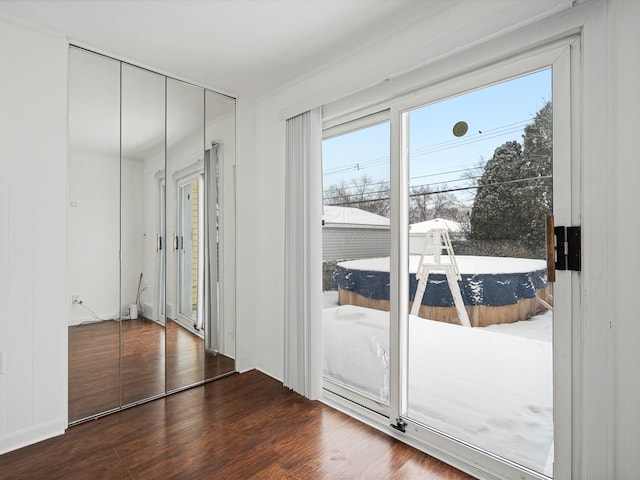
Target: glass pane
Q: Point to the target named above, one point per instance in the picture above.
(93, 234)
(142, 166)
(479, 334)
(355, 264)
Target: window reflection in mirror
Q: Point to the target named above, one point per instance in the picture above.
(185, 162)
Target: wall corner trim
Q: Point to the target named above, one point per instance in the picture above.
(32, 434)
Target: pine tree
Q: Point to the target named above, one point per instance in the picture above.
(515, 190)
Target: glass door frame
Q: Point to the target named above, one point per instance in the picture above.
(564, 57)
(329, 386)
(566, 210)
(194, 175)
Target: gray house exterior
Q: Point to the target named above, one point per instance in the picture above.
(350, 233)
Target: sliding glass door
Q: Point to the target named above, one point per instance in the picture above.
(355, 262)
(478, 348)
(454, 330)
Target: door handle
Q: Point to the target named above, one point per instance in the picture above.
(550, 241)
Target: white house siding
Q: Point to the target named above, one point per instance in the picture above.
(341, 242)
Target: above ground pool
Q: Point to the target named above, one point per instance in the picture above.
(494, 289)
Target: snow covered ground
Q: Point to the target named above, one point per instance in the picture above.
(490, 387)
(467, 264)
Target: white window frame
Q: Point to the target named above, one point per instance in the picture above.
(189, 174)
(330, 387)
(564, 56)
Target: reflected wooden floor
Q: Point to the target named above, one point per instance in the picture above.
(143, 365)
(244, 426)
(188, 362)
(185, 357)
(95, 369)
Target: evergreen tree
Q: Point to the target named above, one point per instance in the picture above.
(515, 189)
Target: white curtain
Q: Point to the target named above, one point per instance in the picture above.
(210, 304)
(303, 255)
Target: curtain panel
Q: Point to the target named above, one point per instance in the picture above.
(210, 305)
(303, 255)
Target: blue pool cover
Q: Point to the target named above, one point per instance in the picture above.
(489, 289)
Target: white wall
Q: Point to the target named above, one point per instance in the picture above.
(247, 160)
(33, 326)
(105, 215)
(93, 238)
(626, 232)
(132, 230)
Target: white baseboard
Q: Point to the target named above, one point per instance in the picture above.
(79, 320)
(33, 434)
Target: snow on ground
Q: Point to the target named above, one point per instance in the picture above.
(330, 299)
(536, 328)
(490, 387)
(467, 264)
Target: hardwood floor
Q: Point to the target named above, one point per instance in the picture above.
(187, 360)
(143, 363)
(100, 381)
(239, 427)
(94, 368)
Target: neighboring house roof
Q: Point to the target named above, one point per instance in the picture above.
(424, 227)
(352, 216)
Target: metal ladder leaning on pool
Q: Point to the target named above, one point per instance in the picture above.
(436, 240)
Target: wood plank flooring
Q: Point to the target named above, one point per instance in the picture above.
(244, 426)
(94, 368)
(99, 381)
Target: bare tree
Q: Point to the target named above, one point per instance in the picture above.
(363, 193)
(425, 204)
(373, 196)
(419, 202)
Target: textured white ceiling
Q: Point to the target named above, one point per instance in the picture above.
(240, 47)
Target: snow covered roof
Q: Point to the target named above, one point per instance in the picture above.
(352, 216)
(424, 227)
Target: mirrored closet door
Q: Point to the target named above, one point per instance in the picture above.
(93, 234)
(151, 232)
(219, 233)
(185, 262)
(142, 163)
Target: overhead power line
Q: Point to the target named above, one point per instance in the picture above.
(437, 147)
(448, 190)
